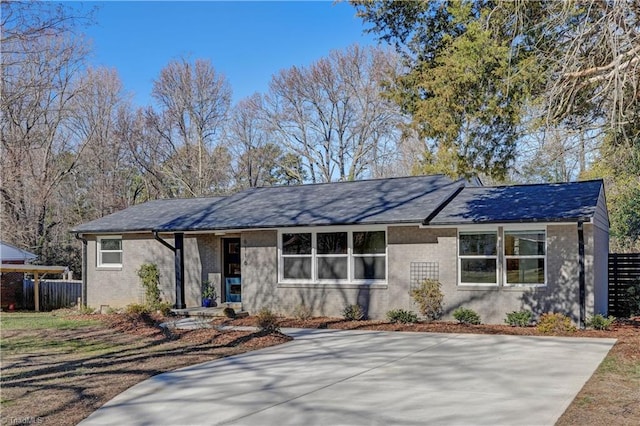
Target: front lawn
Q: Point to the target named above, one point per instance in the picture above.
(57, 368)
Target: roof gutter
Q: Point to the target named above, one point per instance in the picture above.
(163, 242)
(581, 277)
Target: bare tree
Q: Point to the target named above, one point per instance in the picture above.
(41, 64)
(193, 102)
(333, 116)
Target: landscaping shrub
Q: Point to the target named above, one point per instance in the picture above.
(353, 313)
(633, 299)
(402, 316)
(85, 310)
(137, 309)
(163, 307)
(519, 318)
(428, 295)
(267, 321)
(555, 323)
(466, 316)
(229, 312)
(150, 279)
(302, 312)
(599, 322)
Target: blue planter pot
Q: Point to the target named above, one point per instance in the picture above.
(207, 303)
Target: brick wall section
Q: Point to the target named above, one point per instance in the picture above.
(11, 287)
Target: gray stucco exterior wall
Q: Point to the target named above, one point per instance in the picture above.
(406, 245)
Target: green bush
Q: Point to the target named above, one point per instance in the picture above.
(229, 312)
(519, 318)
(86, 310)
(150, 279)
(599, 322)
(555, 323)
(402, 316)
(353, 313)
(429, 297)
(163, 307)
(302, 312)
(633, 299)
(466, 316)
(137, 309)
(267, 321)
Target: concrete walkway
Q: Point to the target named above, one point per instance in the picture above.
(334, 377)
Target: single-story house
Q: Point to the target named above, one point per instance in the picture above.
(494, 249)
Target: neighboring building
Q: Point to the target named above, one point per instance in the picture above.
(11, 282)
(494, 249)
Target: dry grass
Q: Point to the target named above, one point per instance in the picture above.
(60, 376)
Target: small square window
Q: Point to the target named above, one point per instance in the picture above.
(109, 252)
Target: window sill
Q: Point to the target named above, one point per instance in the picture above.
(525, 287)
(471, 287)
(377, 286)
(109, 268)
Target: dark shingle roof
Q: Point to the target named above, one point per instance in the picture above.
(394, 200)
(521, 203)
(147, 216)
(432, 200)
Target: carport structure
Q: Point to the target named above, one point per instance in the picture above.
(37, 271)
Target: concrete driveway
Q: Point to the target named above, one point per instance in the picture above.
(333, 377)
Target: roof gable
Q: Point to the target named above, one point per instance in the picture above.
(10, 253)
(555, 202)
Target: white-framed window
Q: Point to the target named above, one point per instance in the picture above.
(478, 257)
(296, 256)
(513, 256)
(525, 257)
(332, 255)
(109, 251)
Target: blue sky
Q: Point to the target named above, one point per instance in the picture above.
(246, 41)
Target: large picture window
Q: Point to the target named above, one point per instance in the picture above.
(522, 252)
(525, 256)
(478, 257)
(109, 252)
(336, 256)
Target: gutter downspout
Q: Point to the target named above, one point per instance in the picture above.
(581, 278)
(84, 268)
(178, 252)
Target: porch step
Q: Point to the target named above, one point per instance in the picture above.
(217, 311)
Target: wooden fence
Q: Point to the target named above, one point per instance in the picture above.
(624, 271)
(54, 294)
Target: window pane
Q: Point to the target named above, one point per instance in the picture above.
(369, 242)
(110, 244)
(296, 243)
(332, 243)
(332, 268)
(369, 267)
(525, 243)
(297, 267)
(111, 258)
(478, 271)
(478, 244)
(525, 271)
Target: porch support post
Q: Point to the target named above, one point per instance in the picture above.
(36, 290)
(581, 278)
(179, 268)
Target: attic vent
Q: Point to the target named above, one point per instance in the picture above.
(421, 271)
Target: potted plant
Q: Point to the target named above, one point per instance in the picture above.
(208, 294)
